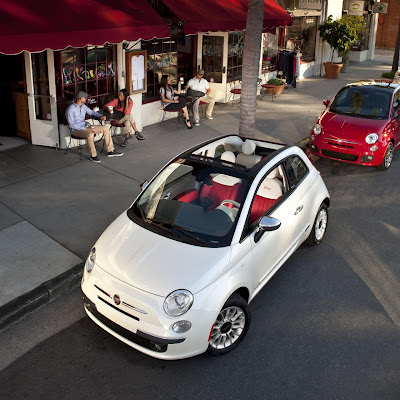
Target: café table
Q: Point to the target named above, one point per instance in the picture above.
(113, 119)
(190, 99)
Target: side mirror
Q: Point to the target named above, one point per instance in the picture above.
(144, 185)
(266, 224)
(326, 103)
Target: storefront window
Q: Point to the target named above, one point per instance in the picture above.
(41, 85)
(270, 51)
(235, 55)
(303, 34)
(363, 39)
(161, 60)
(212, 60)
(91, 69)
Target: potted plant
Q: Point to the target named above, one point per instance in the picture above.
(339, 36)
(276, 86)
(357, 23)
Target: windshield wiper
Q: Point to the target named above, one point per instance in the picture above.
(163, 225)
(189, 233)
(366, 116)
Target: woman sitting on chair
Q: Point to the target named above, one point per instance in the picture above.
(124, 104)
(167, 98)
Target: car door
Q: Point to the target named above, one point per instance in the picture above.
(274, 247)
(395, 124)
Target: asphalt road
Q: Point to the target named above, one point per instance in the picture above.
(327, 326)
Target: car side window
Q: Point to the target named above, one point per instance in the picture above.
(396, 104)
(295, 170)
(269, 192)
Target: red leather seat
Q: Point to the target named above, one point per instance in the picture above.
(269, 192)
(189, 196)
(224, 187)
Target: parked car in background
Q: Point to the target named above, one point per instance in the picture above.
(173, 275)
(360, 125)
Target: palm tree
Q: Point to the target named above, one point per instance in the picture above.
(251, 63)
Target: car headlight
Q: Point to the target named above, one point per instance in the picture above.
(371, 138)
(317, 129)
(91, 260)
(178, 302)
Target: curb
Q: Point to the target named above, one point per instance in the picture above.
(48, 291)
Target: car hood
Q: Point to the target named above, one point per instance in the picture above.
(154, 263)
(346, 126)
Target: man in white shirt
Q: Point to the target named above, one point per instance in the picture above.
(199, 84)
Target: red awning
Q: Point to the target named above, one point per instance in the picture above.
(35, 25)
(224, 15)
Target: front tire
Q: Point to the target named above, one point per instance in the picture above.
(387, 158)
(319, 227)
(230, 327)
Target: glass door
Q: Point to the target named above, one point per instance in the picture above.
(41, 88)
(212, 57)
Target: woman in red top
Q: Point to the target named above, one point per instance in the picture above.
(124, 104)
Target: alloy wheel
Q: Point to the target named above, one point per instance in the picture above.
(320, 224)
(228, 327)
(389, 155)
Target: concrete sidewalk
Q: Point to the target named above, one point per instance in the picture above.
(53, 206)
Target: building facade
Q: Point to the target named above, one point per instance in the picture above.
(44, 83)
(388, 25)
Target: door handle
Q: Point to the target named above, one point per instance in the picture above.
(298, 209)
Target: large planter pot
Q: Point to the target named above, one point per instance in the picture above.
(332, 70)
(275, 89)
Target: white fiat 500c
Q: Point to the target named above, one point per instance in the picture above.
(173, 275)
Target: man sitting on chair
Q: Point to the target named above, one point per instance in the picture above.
(199, 84)
(76, 114)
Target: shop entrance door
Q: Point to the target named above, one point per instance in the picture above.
(212, 57)
(41, 88)
(13, 99)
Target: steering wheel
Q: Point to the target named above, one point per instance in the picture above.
(231, 212)
(235, 203)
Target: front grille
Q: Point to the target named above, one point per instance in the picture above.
(132, 337)
(339, 156)
(341, 145)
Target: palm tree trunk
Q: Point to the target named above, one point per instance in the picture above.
(250, 69)
(395, 64)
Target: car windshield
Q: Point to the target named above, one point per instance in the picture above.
(193, 202)
(363, 102)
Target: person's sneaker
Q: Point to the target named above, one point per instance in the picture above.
(114, 153)
(197, 122)
(209, 117)
(124, 143)
(95, 159)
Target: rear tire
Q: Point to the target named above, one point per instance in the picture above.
(387, 158)
(230, 327)
(319, 227)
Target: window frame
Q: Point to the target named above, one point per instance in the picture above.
(248, 229)
(62, 100)
(152, 86)
(235, 57)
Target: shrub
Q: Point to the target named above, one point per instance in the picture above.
(389, 75)
(276, 82)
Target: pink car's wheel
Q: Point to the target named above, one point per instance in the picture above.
(388, 158)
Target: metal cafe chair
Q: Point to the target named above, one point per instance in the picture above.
(233, 90)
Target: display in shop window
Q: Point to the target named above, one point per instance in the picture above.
(82, 73)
